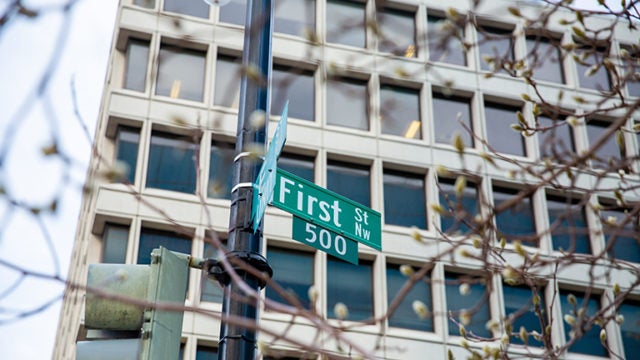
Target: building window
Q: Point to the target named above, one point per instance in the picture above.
(404, 315)
(621, 233)
(500, 135)
(152, 239)
(351, 285)
(517, 221)
(460, 208)
(299, 165)
(630, 55)
(347, 103)
(445, 45)
(397, 32)
(568, 225)
(114, 243)
(211, 290)
(181, 73)
(221, 170)
(149, 4)
(591, 73)
(610, 154)
(227, 84)
(555, 139)
(295, 17)
(349, 180)
(544, 58)
(588, 333)
(452, 115)
(346, 22)
(521, 312)
(196, 8)
(400, 112)
(629, 328)
(172, 163)
(234, 12)
(296, 86)
(137, 56)
(206, 352)
(127, 141)
(293, 271)
(471, 307)
(404, 199)
(495, 47)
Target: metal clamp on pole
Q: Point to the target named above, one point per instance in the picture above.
(216, 270)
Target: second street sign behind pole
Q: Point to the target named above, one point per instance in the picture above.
(327, 209)
(267, 176)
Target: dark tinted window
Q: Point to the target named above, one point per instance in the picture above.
(137, 55)
(351, 285)
(589, 342)
(447, 111)
(500, 135)
(346, 22)
(297, 87)
(568, 223)
(404, 199)
(459, 209)
(171, 163)
(404, 316)
(400, 111)
(293, 271)
(127, 142)
(516, 222)
(442, 46)
(114, 243)
(181, 73)
(349, 180)
(474, 302)
(221, 170)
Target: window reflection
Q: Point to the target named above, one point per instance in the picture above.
(152, 239)
(351, 285)
(517, 221)
(347, 103)
(609, 153)
(474, 302)
(630, 329)
(127, 141)
(404, 316)
(221, 170)
(299, 165)
(460, 209)
(349, 180)
(346, 22)
(555, 138)
(591, 73)
(494, 43)
(114, 243)
(400, 112)
(180, 73)
(296, 86)
(500, 135)
(188, 7)
(621, 233)
(234, 12)
(294, 17)
(404, 199)
(172, 163)
(445, 46)
(452, 115)
(293, 271)
(545, 58)
(137, 54)
(520, 310)
(589, 342)
(568, 224)
(227, 84)
(397, 32)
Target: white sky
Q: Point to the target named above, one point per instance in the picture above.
(26, 46)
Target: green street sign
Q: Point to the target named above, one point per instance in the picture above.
(325, 240)
(263, 190)
(327, 209)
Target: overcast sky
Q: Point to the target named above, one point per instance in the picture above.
(26, 47)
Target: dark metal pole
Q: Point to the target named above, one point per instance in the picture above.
(239, 342)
